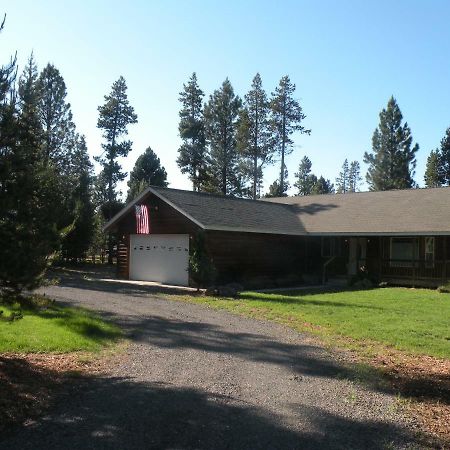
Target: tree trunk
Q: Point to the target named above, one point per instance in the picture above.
(283, 143)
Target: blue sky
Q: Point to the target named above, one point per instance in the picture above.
(346, 58)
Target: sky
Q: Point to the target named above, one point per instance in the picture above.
(346, 58)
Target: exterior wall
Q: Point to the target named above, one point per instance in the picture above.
(256, 259)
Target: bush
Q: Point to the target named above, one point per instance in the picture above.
(444, 289)
(201, 267)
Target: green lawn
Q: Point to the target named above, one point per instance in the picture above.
(54, 329)
(415, 320)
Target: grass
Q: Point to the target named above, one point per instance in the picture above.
(52, 328)
(412, 320)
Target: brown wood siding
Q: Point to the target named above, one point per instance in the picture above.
(246, 256)
(163, 220)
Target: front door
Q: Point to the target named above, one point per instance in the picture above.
(357, 254)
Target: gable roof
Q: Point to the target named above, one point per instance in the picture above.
(222, 213)
(399, 212)
(402, 212)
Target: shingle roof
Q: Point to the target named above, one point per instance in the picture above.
(413, 211)
(410, 211)
(217, 212)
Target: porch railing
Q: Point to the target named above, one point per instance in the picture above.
(419, 269)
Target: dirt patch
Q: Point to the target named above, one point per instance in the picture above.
(31, 383)
(424, 382)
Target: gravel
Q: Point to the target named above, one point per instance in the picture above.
(193, 377)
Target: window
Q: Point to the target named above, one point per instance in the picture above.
(331, 247)
(404, 251)
(429, 252)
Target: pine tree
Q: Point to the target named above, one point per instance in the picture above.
(28, 229)
(322, 186)
(221, 117)
(77, 242)
(287, 117)
(255, 138)
(147, 171)
(392, 163)
(56, 117)
(354, 176)
(445, 157)
(114, 117)
(305, 180)
(343, 180)
(434, 173)
(274, 188)
(192, 153)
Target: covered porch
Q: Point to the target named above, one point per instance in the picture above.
(403, 260)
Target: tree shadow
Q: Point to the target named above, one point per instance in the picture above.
(295, 298)
(312, 208)
(91, 280)
(119, 413)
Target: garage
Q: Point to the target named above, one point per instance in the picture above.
(163, 258)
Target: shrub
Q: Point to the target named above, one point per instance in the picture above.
(444, 289)
(201, 267)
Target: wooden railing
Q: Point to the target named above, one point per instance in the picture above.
(409, 269)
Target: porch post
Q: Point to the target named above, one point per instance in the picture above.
(380, 257)
(415, 241)
(444, 265)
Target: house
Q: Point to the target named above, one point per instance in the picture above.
(397, 236)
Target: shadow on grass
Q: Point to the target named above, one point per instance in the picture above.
(296, 298)
(77, 320)
(115, 413)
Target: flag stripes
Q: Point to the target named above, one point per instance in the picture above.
(142, 219)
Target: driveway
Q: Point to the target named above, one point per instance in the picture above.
(193, 377)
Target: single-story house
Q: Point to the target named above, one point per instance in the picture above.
(398, 236)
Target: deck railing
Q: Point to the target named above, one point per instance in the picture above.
(418, 269)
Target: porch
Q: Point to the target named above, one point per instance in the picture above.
(401, 260)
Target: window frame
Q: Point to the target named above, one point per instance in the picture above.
(404, 263)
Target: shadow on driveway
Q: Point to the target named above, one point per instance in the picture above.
(117, 413)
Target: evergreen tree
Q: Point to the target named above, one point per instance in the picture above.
(28, 229)
(392, 163)
(114, 117)
(287, 117)
(192, 153)
(322, 186)
(56, 117)
(434, 173)
(354, 176)
(77, 242)
(305, 180)
(147, 171)
(343, 180)
(274, 188)
(445, 157)
(255, 139)
(221, 116)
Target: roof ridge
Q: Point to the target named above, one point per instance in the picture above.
(207, 194)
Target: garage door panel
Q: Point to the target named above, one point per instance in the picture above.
(163, 258)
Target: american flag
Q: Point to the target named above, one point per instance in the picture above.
(142, 219)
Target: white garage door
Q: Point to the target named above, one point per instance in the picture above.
(160, 257)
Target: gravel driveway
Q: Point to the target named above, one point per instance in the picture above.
(194, 377)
